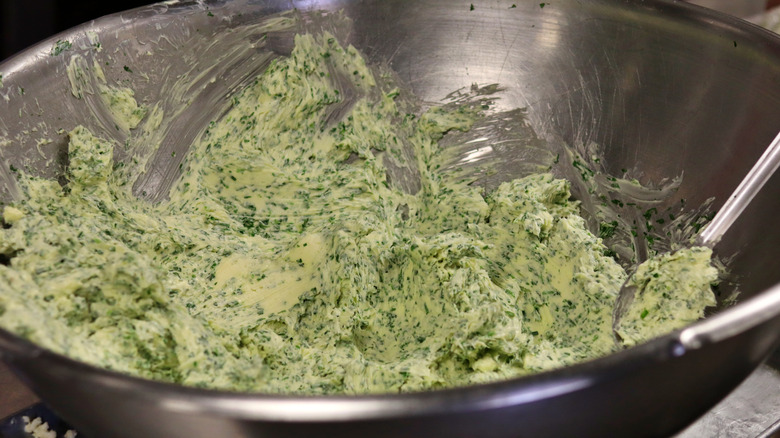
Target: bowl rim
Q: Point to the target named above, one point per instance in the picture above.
(729, 323)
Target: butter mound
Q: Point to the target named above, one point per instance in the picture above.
(285, 261)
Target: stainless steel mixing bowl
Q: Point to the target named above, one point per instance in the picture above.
(664, 88)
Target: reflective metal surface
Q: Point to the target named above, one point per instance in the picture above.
(748, 188)
(751, 411)
(15, 395)
(660, 89)
(729, 212)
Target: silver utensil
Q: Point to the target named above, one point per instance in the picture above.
(764, 168)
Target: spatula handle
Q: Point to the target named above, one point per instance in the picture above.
(745, 192)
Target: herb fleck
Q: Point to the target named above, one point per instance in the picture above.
(60, 46)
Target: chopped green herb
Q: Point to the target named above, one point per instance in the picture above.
(60, 46)
(607, 229)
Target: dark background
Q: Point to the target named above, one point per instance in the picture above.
(25, 22)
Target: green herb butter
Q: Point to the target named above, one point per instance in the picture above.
(286, 262)
(672, 291)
